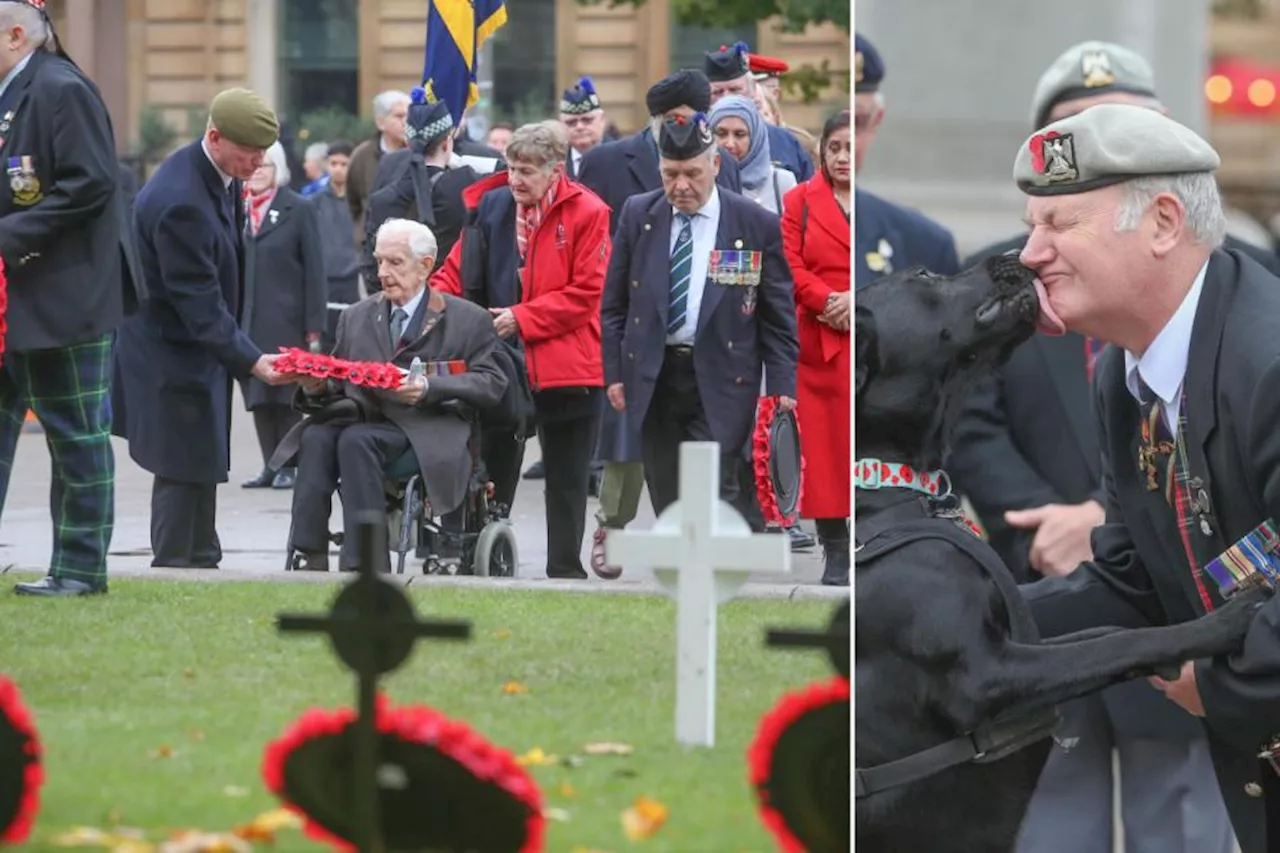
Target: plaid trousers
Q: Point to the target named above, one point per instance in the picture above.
(68, 388)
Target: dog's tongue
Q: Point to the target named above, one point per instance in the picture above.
(1048, 322)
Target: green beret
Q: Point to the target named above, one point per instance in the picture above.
(1105, 145)
(1088, 69)
(244, 118)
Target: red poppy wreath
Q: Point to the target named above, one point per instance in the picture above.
(21, 773)
(777, 462)
(370, 374)
(441, 786)
(799, 768)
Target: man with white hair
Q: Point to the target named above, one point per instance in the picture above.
(406, 320)
(62, 221)
(1126, 224)
(315, 163)
(390, 109)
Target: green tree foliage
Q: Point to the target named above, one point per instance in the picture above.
(156, 134)
(330, 124)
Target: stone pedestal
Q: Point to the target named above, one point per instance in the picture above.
(959, 83)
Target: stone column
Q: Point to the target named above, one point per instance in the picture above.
(261, 49)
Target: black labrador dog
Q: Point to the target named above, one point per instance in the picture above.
(955, 691)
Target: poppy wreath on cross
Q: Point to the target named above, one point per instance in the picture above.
(799, 769)
(370, 374)
(441, 786)
(21, 773)
(777, 462)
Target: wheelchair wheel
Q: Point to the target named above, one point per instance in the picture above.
(495, 551)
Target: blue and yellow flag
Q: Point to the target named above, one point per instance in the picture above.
(455, 31)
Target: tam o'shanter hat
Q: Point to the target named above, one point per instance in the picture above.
(683, 138)
(727, 63)
(579, 99)
(868, 67)
(428, 119)
(1105, 145)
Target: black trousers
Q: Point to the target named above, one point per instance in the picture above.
(834, 530)
(183, 525)
(503, 455)
(271, 422)
(567, 448)
(676, 415)
(350, 460)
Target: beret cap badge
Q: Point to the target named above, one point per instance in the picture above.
(1095, 67)
(1053, 155)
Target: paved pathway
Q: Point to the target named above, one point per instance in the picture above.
(254, 523)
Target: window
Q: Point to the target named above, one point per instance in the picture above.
(319, 60)
(689, 45)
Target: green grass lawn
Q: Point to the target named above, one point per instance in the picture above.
(154, 703)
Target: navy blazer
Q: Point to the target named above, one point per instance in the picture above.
(739, 333)
(910, 238)
(616, 171)
(786, 151)
(175, 358)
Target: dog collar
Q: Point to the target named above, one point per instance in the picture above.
(877, 474)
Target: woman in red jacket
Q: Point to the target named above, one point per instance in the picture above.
(540, 246)
(815, 236)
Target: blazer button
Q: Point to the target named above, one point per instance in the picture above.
(637, 321)
(737, 380)
(730, 344)
(648, 227)
(635, 284)
(1253, 789)
(631, 356)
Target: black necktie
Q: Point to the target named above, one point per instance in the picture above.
(398, 318)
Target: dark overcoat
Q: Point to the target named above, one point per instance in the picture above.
(426, 194)
(740, 333)
(284, 287)
(175, 358)
(897, 237)
(63, 228)
(1140, 574)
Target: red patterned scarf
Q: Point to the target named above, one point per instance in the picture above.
(257, 205)
(528, 218)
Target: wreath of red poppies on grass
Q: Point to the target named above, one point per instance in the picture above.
(21, 773)
(762, 755)
(370, 374)
(453, 746)
(761, 456)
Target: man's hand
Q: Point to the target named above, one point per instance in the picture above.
(504, 322)
(617, 398)
(411, 392)
(265, 371)
(1184, 692)
(1062, 534)
(836, 314)
(787, 404)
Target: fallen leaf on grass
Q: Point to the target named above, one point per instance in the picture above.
(502, 634)
(512, 688)
(88, 836)
(265, 826)
(189, 674)
(200, 842)
(566, 790)
(608, 749)
(165, 751)
(235, 791)
(536, 758)
(558, 815)
(645, 817)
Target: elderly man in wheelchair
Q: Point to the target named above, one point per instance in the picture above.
(353, 435)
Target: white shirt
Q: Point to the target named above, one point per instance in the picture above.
(410, 308)
(226, 179)
(1164, 365)
(705, 225)
(576, 156)
(14, 72)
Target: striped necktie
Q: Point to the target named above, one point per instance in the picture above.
(398, 318)
(681, 273)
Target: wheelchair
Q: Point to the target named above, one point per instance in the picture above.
(485, 546)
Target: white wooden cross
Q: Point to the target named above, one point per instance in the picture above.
(701, 550)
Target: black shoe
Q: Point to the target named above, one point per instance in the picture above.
(51, 587)
(262, 481)
(536, 471)
(285, 479)
(835, 570)
(317, 562)
(800, 541)
(578, 574)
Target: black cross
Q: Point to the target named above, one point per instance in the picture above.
(373, 629)
(835, 639)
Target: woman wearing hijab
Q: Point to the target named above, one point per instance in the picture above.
(815, 237)
(740, 130)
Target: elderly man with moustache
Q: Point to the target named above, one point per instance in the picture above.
(582, 115)
(406, 320)
(176, 358)
(1126, 228)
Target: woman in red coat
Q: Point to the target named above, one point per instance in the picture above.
(815, 236)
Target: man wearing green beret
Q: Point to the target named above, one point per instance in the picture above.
(176, 358)
(1026, 455)
(1126, 228)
